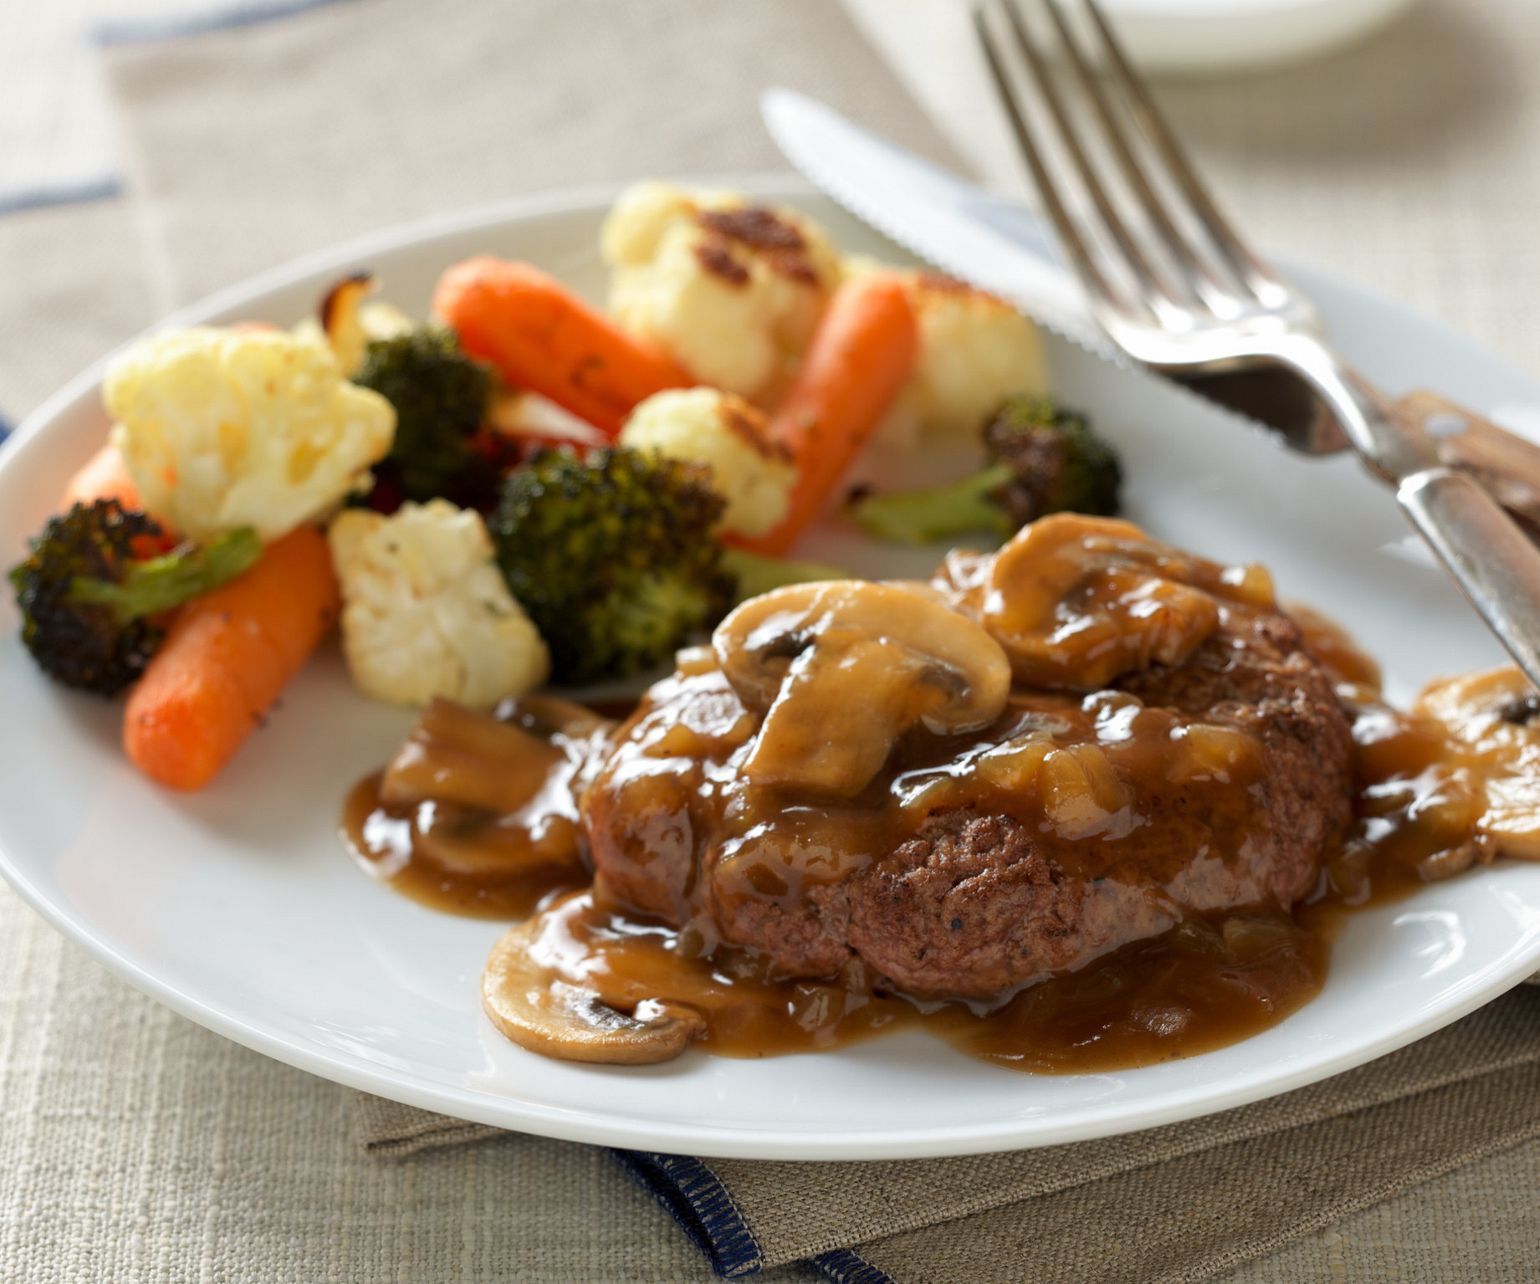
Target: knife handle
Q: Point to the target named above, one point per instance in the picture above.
(1505, 463)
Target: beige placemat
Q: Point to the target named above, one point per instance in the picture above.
(74, 289)
(234, 1151)
(251, 146)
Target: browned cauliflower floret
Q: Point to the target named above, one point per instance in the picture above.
(727, 435)
(730, 288)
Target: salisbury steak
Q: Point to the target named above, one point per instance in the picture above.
(1211, 772)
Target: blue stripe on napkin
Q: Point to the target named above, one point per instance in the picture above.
(696, 1198)
(131, 31)
(33, 198)
(5, 428)
(139, 31)
(701, 1203)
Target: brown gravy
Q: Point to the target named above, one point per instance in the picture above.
(505, 879)
(1208, 982)
(1198, 987)
(476, 817)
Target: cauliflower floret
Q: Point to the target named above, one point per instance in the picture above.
(976, 351)
(731, 289)
(426, 612)
(727, 435)
(227, 428)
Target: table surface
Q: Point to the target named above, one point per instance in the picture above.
(204, 1159)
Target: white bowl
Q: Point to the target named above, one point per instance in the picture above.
(1215, 37)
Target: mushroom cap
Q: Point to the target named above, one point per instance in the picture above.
(1079, 601)
(756, 644)
(842, 668)
(538, 1010)
(1494, 718)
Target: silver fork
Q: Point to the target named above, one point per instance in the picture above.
(1175, 286)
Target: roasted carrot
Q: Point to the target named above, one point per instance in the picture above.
(103, 476)
(863, 350)
(226, 658)
(539, 335)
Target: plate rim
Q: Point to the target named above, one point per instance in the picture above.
(514, 1114)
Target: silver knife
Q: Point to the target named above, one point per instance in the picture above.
(986, 240)
(993, 243)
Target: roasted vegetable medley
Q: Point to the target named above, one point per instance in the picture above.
(521, 487)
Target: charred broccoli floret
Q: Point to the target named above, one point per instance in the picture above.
(613, 557)
(440, 396)
(89, 596)
(1042, 460)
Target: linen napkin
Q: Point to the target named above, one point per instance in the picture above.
(249, 146)
(74, 289)
(1178, 1203)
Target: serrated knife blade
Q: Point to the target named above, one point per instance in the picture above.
(986, 240)
(989, 241)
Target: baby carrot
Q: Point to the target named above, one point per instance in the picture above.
(862, 352)
(227, 657)
(541, 336)
(103, 476)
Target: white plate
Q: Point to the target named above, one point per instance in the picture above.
(1214, 37)
(238, 908)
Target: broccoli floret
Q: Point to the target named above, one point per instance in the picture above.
(613, 557)
(1042, 460)
(440, 396)
(89, 597)
(1058, 464)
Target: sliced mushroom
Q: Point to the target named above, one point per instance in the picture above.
(1494, 718)
(538, 1010)
(461, 755)
(841, 669)
(1077, 601)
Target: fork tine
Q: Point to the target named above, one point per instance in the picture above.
(1237, 254)
(1159, 291)
(1206, 284)
(1080, 254)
